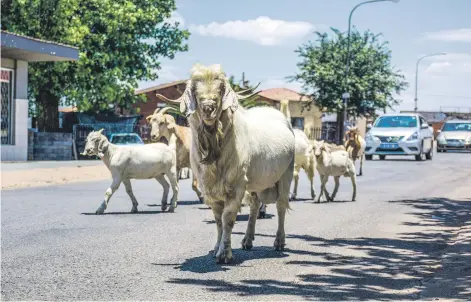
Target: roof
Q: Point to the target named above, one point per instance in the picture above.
(279, 94)
(68, 109)
(20, 47)
(158, 87)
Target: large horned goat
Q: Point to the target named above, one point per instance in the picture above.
(164, 125)
(236, 151)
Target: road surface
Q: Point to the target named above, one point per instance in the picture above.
(389, 244)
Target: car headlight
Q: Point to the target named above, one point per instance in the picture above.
(468, 139)
(369, 137)
(441, 139)
(413, 136)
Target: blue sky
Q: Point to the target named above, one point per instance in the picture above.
(259, 38)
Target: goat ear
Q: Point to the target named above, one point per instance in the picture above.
(187, 100)
(148, 118)
(230, 98)
(170, 122)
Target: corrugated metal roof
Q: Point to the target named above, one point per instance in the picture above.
(158, 87)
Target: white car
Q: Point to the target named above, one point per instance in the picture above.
(400, 134)
(454, 135)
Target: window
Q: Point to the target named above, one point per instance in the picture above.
(396, 121)
(7, 106)
(297, 122)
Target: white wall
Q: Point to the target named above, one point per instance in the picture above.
(19, 150)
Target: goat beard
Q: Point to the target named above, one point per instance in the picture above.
(210, 142)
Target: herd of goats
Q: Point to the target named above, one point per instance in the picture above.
(237, 156)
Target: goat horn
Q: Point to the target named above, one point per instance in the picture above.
(240, 97)
(250, 89)
(162, 97)
(164, 110)
(101, 130)
(156, 110)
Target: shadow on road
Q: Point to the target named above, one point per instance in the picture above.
(180, 203)
(355, 268)
(127, 213)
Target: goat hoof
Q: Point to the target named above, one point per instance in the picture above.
(247, 243)
(292, 196)
(201, 200)
(134, 210)
(224, 257)
(100, 211)
(279, 244)
(171, 209)
(261, 215)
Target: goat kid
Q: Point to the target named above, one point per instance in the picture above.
(135, 162)
(336, 164)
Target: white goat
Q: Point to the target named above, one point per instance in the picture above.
(304, 156)
(336, 164)
(164, 125)
(237, 151)
(135, 162)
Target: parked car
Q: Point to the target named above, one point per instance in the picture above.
(454, 135)
(126, 139)
(400, 134)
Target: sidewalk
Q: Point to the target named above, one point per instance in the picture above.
(16, 175)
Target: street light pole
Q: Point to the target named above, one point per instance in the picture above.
(345, 99)
(417, 74)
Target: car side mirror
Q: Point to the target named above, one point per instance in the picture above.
(424, 126)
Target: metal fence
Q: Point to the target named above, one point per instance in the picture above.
(81, 131)
(327, 133)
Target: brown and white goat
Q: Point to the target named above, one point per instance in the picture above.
(164, 125)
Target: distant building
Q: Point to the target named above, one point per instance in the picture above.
(16, 52)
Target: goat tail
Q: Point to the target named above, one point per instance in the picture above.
(284, 108)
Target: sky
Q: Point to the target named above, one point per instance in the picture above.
(260, 38)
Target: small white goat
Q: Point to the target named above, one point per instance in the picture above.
(336, 164)
(135, 162)
(304, 156)
(164, 125)
(237, 153)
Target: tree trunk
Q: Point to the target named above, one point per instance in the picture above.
(340, 127)
(48, 115)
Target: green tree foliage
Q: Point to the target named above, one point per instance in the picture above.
(248, 102)
(120, 43)
(372, 80)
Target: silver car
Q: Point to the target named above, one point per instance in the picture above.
(454, 135)
(400, 134)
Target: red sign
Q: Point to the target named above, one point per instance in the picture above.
(5, 76)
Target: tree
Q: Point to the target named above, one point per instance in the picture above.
(249, 102)
(120, 43)
(372, 80)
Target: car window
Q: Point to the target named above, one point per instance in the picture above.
(396, 121)
(457, 127)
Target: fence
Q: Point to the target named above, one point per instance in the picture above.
(327, 133)
(81, 131)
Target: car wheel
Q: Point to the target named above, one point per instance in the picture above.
(382, 157)
(368, 157)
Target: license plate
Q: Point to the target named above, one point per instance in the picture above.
(389, 146)
(454, 143)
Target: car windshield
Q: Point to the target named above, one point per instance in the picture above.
(125, 139)
(457, 127)
(396, 121)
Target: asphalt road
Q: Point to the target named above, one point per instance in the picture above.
(386, 245)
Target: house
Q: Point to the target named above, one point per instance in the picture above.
(16, 51)
(304, 114)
